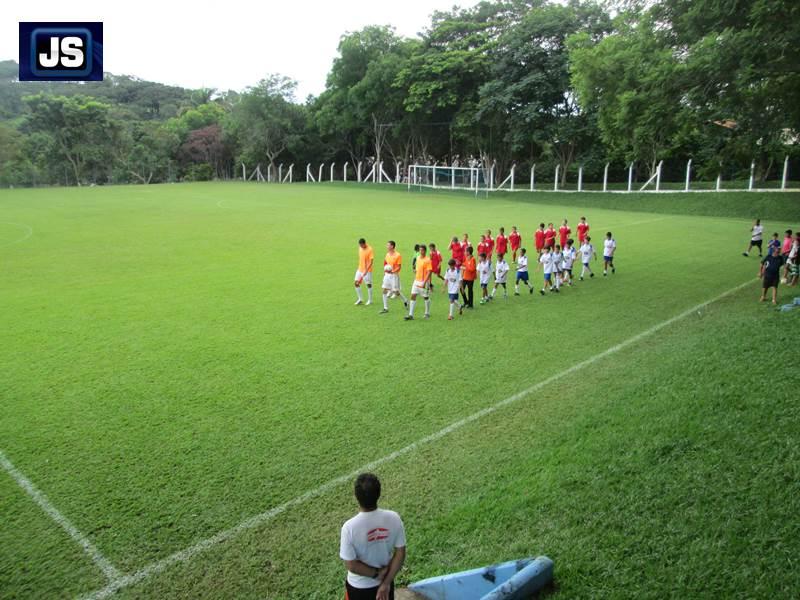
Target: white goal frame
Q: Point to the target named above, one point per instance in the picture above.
(449, 178)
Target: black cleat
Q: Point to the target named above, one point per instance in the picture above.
(530, 290)
(541, 292)
(383, 311)
(408, 318)
(591, 275)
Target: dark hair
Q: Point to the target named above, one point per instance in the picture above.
(452, 262)
(609, 234)
(500, 256)
(416, 247)
(392, 243)
(432, 245)
(423, 248)
(368, 490)
(788, 232)
(482, 255)
(570, 241)
(522, 251)
(470, 249)
(362, 241)
(541, 225)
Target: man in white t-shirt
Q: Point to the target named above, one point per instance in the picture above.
(756, 238)
(569, 258)
(609, 246)
(372, 546)
(546, 262)
(500, 274)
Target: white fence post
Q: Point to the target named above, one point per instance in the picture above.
(513, 170)
(533, 177)
(752, 176)
(332, 165)
(319, 175)
(658, 176)
(555, 180)
(630, 177)
(719, 182)
(309, 176)
(688, 174)
(280, 173)
(491, 176)
(290, 175)
(434, 175)
(244, 172)
(785, 173)
(580, 178)
(345, 172)
(605, 178)
(359, 171)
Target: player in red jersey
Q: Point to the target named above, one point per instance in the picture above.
(514, 238)
(550, 236)
(538, 239)
(583, 229)
(457, 251)
(490, 242)
(483, 245)
(436, 263)
(563, 234)
(501, 242)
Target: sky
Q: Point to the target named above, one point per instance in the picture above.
(231, 47)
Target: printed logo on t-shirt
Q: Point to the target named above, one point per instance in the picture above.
(377, 534)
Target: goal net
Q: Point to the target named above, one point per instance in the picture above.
(448, 178)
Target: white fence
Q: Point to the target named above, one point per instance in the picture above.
(445, 176)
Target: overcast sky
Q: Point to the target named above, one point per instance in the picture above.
(185, 43)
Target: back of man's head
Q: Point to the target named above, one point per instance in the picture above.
(368, 491)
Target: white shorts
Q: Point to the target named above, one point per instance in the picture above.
(366, 276)
(391, 282)
(419, 289)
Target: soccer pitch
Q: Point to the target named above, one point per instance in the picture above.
(181, 362)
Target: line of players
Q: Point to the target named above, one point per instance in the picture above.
(555, 260)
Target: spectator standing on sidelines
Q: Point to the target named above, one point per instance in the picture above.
(372, 545)
(756, 238)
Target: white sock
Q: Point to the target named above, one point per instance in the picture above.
(452, 308)
(411, 307)
(385, 302)
(403, 298)
(358, 293)
(516, 288)
(494, 289)
(369, 294)
(427, 306)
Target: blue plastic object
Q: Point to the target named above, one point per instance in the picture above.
(513, 580)
(787, 307)
(797, 300)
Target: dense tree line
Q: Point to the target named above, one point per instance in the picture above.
(503, 82)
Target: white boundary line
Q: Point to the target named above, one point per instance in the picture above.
(257, 520)
(29, 233)
(101, 561)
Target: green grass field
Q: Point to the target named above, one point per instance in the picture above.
(177, 359)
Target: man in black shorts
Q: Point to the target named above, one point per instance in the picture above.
(372, 546)
(770, 273)
(756, 237)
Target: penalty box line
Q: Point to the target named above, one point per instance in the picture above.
(189, 553)
(101, 561)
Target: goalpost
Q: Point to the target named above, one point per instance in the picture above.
(474, 179)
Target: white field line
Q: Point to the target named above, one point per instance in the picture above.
(257, 520)
(101, 561)
(28, 233)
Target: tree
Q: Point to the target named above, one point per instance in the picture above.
(265, 122)
(83, 133)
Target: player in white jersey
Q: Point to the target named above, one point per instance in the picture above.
(566, 265)
(500, 274)
(609, 246)
(557, 257)
(546, 263)
(522, 272)
(587, 252)
(484, 274)
(452, 278)
(756, 238)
